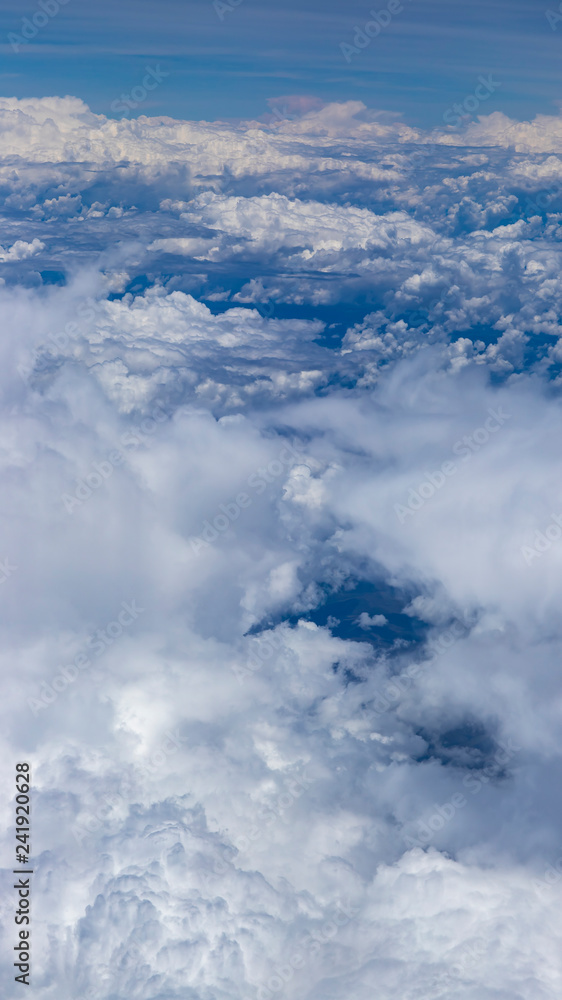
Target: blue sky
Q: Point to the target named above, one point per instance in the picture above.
(426, 58)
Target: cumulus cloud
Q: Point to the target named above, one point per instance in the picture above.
(281, 546)
(21, 250)
(370, 621)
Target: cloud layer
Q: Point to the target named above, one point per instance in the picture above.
(271, 395)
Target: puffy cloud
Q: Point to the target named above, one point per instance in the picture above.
(21, 250)
(280, 555)
(370, 621)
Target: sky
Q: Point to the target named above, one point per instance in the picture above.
(227, 63)
(281, 507)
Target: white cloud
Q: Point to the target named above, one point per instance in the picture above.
(21, 250)
(230, 773)
(370, 621)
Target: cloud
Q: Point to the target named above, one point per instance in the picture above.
(235, 799)
(370, 621)
(21, 250)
